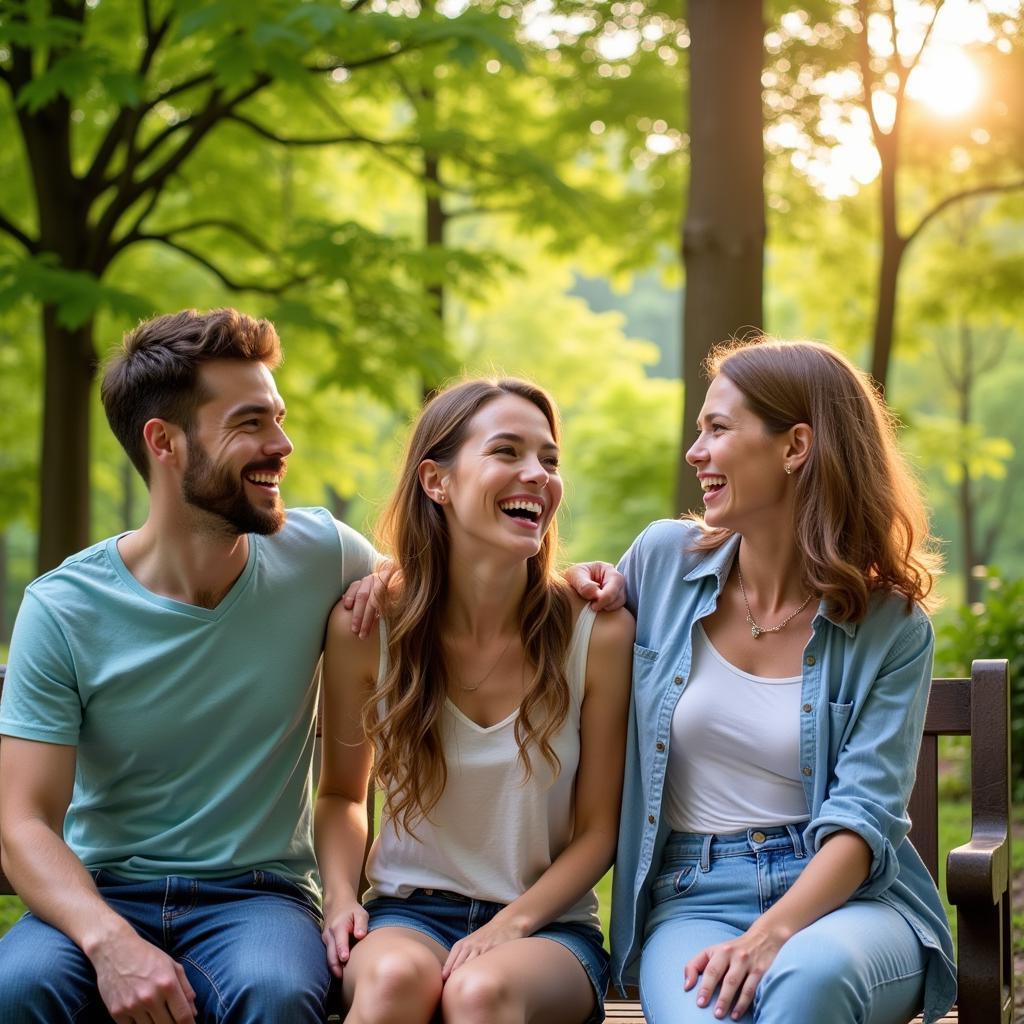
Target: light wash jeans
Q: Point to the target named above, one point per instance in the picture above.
(861, 964)
(249, 945)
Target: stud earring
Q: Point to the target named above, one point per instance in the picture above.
(442, 498)
(788, 468)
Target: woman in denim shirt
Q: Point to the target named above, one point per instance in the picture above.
(781, 676)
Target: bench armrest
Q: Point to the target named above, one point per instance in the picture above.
(978, 873)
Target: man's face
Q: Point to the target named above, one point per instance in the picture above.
(237, 448)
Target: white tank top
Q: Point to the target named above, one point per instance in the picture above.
(734, 749)
(492, 834)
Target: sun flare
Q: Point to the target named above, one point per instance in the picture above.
(949, 84)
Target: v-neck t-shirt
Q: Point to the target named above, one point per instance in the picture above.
(194, 727)
(493, 833)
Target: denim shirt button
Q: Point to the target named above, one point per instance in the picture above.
(659, 745)
(806, 770)
(809, 660)
(650, 819)
(678, 680)
(808, 707)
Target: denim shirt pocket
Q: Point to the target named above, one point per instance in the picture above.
(838, 721)
(643, 656)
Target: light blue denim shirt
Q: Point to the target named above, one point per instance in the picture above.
(863, 699)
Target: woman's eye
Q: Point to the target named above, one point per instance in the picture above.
(551, 462)
(504, 450)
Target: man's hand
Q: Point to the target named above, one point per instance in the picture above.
(599, 583)
(138, 982)
(364, 598)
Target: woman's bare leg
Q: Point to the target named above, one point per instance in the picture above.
(393, 976)
(526, 981)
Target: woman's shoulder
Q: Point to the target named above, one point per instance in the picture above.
(609, 629)
(669, 540)
(895, 621)
(344, 645)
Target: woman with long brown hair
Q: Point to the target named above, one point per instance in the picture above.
(780, 680)
(492, 711)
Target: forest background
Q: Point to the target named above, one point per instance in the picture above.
(585, 193)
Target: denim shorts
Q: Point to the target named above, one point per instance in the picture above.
(447, 917)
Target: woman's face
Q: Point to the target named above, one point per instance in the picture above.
(503, 489)
(739, 464)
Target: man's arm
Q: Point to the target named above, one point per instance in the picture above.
(136, 980)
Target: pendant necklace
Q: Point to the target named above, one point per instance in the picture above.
(489, 672)
(755, 629)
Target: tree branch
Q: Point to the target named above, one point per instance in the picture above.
(365, 62)
(226, 280)
(225, 225)
(906, 70)
(956, 197)
(475, 211)
(867, 76)
(355, 5)
(322, 140)
(127, 122)
(18, 235)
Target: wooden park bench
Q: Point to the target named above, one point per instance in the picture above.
(977, 873)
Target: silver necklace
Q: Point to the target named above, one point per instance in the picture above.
(489, 672)
(755, 629)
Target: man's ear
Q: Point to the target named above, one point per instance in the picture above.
(798, 449)
(434, 481)
(165, 442)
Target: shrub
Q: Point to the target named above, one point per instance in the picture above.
(994, 628)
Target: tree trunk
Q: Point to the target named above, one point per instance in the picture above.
(435, 220)
(5, 631)
(724, 233)
(64, 467)
(893, 245)
(338, 504)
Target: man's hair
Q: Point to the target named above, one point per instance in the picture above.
(155, 372)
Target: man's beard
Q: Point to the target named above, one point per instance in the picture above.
(217, 491)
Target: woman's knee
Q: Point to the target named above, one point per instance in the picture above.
(400, 984)
(478, 994)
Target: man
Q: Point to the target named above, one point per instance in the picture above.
(159, 712)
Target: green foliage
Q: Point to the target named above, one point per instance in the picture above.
(993, 629)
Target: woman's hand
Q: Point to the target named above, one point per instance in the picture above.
(600, 583)
(492, 934)
(342, 928)
(364, 598)
(737, 965)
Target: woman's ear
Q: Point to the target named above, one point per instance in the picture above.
(433, 481)
(798, 448)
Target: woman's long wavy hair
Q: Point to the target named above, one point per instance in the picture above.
(403, 717)
(861, 522)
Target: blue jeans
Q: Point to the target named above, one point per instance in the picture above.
(250, 946)
(860, 964)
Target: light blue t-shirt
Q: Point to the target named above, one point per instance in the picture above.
(194, 726)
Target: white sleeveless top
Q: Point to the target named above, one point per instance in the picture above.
(734, 748)
(492, 834)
